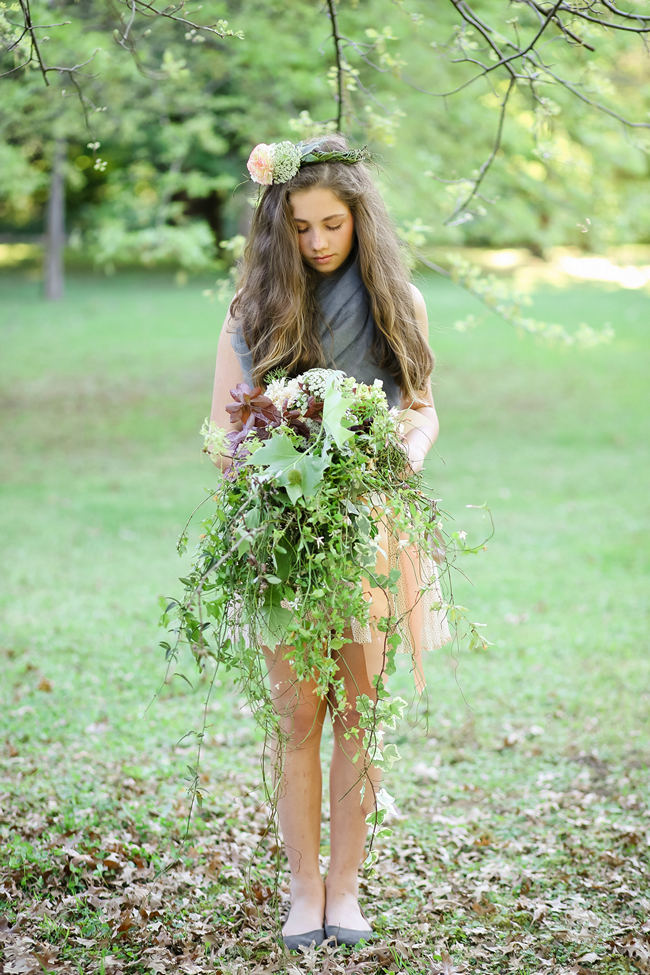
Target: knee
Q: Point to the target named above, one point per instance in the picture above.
(349, 735)
(303, 727)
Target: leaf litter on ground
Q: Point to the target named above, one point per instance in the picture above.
(549, 879)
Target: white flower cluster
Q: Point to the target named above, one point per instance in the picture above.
(368, 394)
(318, 381)
(282, 391)
(295, 393)
(286, 161)
(315, 381)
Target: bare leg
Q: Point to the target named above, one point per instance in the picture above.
(302, 714)
(358, 664)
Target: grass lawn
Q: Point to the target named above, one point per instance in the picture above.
(523, 789)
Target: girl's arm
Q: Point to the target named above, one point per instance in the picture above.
(228, 372)
(422, 420)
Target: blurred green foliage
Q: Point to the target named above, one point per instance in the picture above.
(158, 135)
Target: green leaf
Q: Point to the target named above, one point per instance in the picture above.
(273, 619)
(311, 469)
(300, 473)
(363, 525)
(278, 455)
(335, 404)
(283, 562)
(186, 679)
(244, 543)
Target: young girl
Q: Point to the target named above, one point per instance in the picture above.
(323, 284)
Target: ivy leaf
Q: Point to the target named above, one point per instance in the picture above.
(335, 404)
(301, 473)
(277, 455)
(312, 469)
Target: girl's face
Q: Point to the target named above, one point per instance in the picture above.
(325, 227)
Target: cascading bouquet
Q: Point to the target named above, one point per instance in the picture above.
(317, 527)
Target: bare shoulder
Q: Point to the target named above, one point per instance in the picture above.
(420, 305)
(231, 315)
(225, 336)
(230, 326)
(227, 374)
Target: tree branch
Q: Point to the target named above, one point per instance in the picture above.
(31, 30)
(522, 62)
(623, 13)
(576, 11)
(488, 162)
(589, 101)
(145, 8)
(170, 14)
(553, 15)
(471, 18)
(336, 37)
(129, 25)
(18, 67)
(75, 67)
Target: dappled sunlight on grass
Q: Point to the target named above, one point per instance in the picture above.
(521, 793)
(622, 267)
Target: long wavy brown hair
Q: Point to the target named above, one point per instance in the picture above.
(275, 305)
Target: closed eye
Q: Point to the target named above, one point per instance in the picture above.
(303, 230)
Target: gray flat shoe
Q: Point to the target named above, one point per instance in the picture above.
(304, 940)
(347, 936)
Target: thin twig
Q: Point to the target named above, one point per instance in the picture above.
(31, 30)
(472, 19)
(127, 31)
(578, 12)
(623, 13)
(82, 100)
(155, 12)
(336, 37)
(17, 41)
(5, 74)
(75, 67)
(589, 101)
(541, 14)
(488, 162)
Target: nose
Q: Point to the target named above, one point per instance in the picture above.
(318, 242)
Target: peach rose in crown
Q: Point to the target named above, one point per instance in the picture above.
(260, 164)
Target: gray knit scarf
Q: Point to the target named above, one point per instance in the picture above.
(347, 329)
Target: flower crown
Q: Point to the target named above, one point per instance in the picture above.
(280, 161)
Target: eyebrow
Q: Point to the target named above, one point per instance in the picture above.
(332, 216)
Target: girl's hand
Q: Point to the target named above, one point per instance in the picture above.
(420, 428)
(419, 418)
(415, 464)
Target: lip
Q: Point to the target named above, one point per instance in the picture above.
(323, 259)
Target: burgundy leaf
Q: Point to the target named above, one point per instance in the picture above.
(252, 403)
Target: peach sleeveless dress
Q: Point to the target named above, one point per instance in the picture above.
(347, 334)
(418, 604)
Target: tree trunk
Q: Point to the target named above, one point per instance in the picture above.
(55, 225)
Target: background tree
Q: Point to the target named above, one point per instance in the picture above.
(81, 109)
(530, 129)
